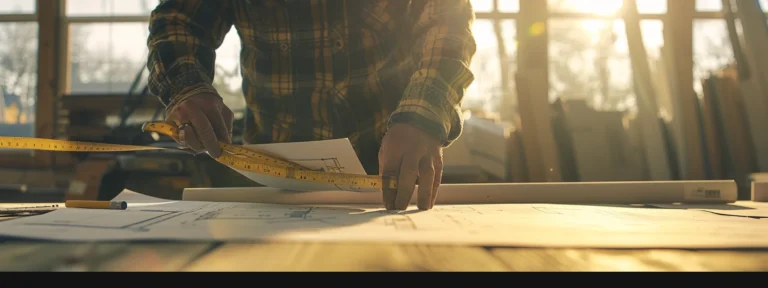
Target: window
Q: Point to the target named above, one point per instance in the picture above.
(589, 59)
(106, 56)
(486, 93)
(652, 6)
(605, 7)
(17, 7)
(227, 79)
(585, 62)
(18, 68)
(103, 8)
(709, 5)
(504, 6)
(509, 6)
(712, 49)
(482, 5)
(717, 5)
(483, 93)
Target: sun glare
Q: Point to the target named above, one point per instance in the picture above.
(602, 7)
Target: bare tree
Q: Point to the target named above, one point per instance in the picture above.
(18, 69)
(582, 68)
(98, 64)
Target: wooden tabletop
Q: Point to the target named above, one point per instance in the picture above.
(298, 256)
(170, 256)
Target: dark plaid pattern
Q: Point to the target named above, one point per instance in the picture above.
(323, 69)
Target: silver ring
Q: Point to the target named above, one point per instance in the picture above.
(181, 133)
(182, 142)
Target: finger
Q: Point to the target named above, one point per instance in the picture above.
(229, 119)
(174, 118)
(438, 164)
(190, 139)
(204, 132)
(381, 164)
(186, 135)
(390, 165)
(218, 124)
(426, 180)
(406, 180)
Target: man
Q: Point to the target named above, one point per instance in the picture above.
(389, 75)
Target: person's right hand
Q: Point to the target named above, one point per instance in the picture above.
(208, 121)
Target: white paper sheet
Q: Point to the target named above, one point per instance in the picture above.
(334, 156)
(738, 209)
(520, 225)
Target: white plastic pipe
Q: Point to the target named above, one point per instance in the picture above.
(644, 192)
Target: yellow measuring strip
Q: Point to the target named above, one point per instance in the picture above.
(234, 156)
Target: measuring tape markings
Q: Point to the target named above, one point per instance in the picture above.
(171, 131)
(237, 157)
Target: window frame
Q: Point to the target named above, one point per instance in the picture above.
(46, 16)
(66, 22)
(64, 63)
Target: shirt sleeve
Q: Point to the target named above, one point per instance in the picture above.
(182, 43)
(444, 46)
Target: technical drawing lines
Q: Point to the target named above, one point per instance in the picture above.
(400, 223)
(135, 220)
(98, 221)
(332, 165)
(264, 216)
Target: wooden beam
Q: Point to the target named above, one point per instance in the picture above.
(532, 82)
(49, 13)
(687, 134)
(107, 19)
(62, 82)
(18, 18)
(654, 146)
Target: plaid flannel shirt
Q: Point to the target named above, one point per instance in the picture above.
(323, 69)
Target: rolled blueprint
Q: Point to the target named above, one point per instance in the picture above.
(641, 192)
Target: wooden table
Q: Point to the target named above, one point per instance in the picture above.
(296, 256)
(34, 256)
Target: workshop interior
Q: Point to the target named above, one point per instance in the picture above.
(564, 91)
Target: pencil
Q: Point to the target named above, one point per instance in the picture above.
(117, 205)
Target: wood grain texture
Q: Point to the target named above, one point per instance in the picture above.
(152, 257)
(39, 256)
(52, 256)
(630, 260)
(346, 257)
(98, 256)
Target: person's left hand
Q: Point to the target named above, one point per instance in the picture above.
(407, 153)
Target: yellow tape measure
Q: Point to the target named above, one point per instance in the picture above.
(234, 156)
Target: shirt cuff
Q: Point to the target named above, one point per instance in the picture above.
(190, 91)
(189, 80)
(428, 108)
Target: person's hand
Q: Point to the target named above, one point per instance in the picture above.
(407, 154)
(206, 121)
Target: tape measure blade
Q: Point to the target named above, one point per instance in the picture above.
(170, 130)
(23, 143)
(259, 156)
(342, 179)
(242, 158)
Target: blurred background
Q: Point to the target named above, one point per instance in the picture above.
(565, 90)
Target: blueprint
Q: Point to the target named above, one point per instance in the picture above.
(503, 225)
(333, 156)
(757, 210)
